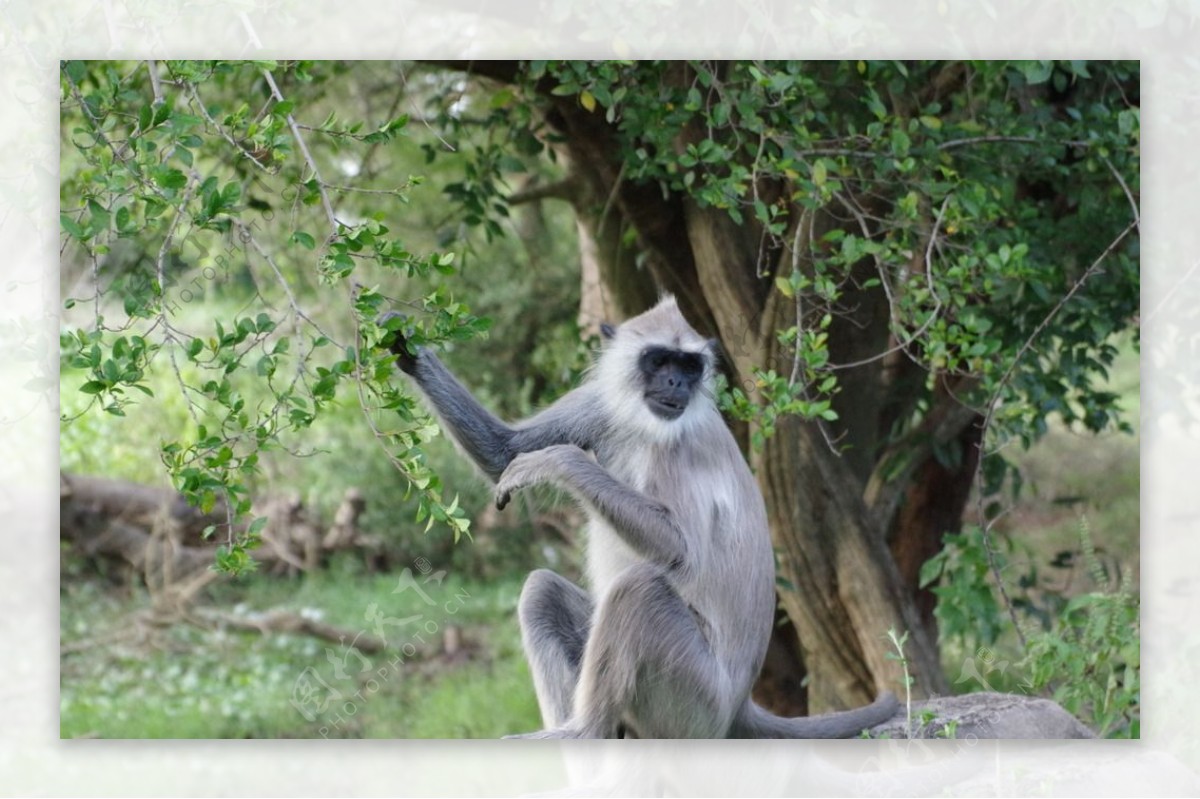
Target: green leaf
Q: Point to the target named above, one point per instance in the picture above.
(100, 216)
(930, 571)
(819, 173)
(501, 98)
(304, 240)
(1036, 72)
(72, 227)
(587, 100)
(76, 71)
(169, 177)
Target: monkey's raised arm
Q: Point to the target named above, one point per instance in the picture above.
(647, 525)
(488, 441)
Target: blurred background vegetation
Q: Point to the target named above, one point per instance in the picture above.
(397, 628)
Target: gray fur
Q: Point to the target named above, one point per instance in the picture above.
(679, 555)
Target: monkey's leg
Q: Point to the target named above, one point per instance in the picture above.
(555, 617)
(647, 664)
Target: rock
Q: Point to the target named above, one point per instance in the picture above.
(984, 715)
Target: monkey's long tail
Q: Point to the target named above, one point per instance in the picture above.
(754, 722)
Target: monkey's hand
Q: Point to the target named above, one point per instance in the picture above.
(398, 343)
(532, 468)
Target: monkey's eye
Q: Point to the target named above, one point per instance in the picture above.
(654, 359)
(691, 364)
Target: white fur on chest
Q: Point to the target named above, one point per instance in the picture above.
(607, 553)
(697, 503)
(607, 556)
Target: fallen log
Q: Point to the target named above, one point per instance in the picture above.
(155, 531)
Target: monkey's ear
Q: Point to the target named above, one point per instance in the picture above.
(607, 330)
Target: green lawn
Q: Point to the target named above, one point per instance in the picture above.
(132, 680)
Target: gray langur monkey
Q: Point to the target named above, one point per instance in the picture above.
(671, 636)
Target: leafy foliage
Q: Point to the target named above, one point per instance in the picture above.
(1082, 649)
(967, 609)
(1091, 659)
(979, 208)
(171, 182)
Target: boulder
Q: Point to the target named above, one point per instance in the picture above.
(984, 715)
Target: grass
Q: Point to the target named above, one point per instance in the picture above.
(183, 681)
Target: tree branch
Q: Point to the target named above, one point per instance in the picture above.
(503, 71)
(888, 481)
(566, 189)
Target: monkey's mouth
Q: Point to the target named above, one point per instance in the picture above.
(666, 408)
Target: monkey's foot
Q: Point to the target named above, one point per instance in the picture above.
(558, 732)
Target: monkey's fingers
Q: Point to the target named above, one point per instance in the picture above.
(502, 499)
(397, 342)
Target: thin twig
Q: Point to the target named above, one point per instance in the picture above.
(308, 157)
(799, 298)
(247, 236)
(985, 524)
(449, 147)
(903, 345)
(1137, 217)
(397, 192)
(169, 336)
(168, 240)
(96, 286)
(953, 143)
(612, 195)
(224, 134)
(1091, 270)
(155, 83)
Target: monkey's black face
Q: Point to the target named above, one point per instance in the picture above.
(670, 378)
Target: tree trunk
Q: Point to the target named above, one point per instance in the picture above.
(847, 589)
(780, 685)
(933, 506)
